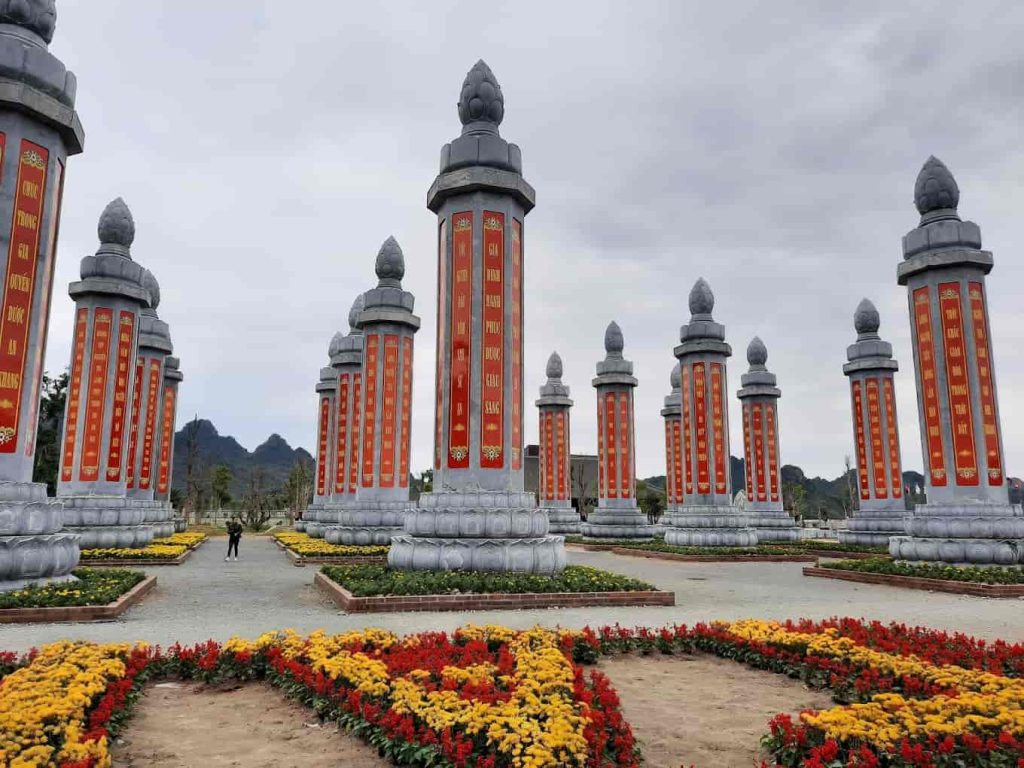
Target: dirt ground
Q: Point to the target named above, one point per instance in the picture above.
(182, 725)
(701, 710)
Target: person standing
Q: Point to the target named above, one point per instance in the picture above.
(234, 536)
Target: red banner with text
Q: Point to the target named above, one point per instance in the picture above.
(875, 438)
(961, 413)
(718, 423)
(929, 385)
(441, 346)
(74, 394)
(517, 344)
(492, 391)
(166, 441)
(389, 412)
(772, 427)
(983, 351)
(125, 352)
(461, 340)
(357, 413)
(861, 437)
(687, 427)
(405, 421)
(95, 403)
(341, 450)
(892, 433)
(371, 363)
(149, 433)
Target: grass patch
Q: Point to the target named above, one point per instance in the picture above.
(381, 581)
(94, 587)
(971, 574)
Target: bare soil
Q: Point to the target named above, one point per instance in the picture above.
(182, 725)
(701, 710)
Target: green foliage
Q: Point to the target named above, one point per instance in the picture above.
(220, 485)
(379, 580)
(48, 434)
(95, 586)
(973, 574)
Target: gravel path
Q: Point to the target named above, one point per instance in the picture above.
(208, 598)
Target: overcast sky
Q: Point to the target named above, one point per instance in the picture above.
(268, 147)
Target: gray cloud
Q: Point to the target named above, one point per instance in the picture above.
(771, 148)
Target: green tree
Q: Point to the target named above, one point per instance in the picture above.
(220, 485)
(650, 500)
(793, 497)
(298, 490)
(48, 431)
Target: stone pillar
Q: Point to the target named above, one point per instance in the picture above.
(876, 435)
(39, 129)
(968, 518)
(326, 413)
(93, 478)
(707, 517)
(165, 457)
(388, 326)
(479, 517)
(347, 361)
(555, 459)
(616, 515)
(672, 413)
(759, 398)
(147, 412)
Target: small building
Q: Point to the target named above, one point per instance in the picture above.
(582, 476)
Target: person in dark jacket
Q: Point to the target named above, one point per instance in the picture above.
(234, 536)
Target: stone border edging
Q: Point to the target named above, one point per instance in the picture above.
(835, 554)
(77, 613)
(917, 582)
(480, 602)
(301, 562)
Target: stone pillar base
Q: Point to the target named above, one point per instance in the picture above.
(709, 526)
(300, 525)
(106, 522)
(607, 522)
(974, 534)
(365, 523)
(874, 527)
(180, 524)
(32, 547)
(499, 531)
(773, 525)
(314, 529)
(565, 520)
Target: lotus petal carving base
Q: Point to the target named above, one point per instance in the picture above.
(38, 559)
(614, 522)
(543, 555)
(773, 525)
(563, 520)
(114, 536)
(709, 526)
(25, 510)
(360, 536)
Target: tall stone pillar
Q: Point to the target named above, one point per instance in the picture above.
(93, 480)
(326, 419)
(875, 434)
(555, 459)
(672, 413)
(147, 412)
(479, 517)
(759, 398)
(39, 129)
(968, 518)
(347, 362)
(707, 517)
(388, 326)
(168, 422)
(616, 515)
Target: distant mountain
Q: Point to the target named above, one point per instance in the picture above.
(274, 456)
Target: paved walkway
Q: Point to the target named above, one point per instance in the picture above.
(208, 598)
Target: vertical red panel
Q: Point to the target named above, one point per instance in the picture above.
(542, 457)
(757, 412)
(461, 340)
(677, 459)
(406, 418)
(341, 452)
(859, 431)
(772, 426)
(133, 428)
(166, 440)
(152, 397)
(562, 459)
(517, 344)
(56, 205)
(895, 471)
(958, 385)
(687, 427)
(442, 347)
(718, 417)
(626, 446)
(747, 452)
(388, 412)
(19, 289)
(611, 445)
(357, 414)
(549, 456)
(670, 491)
(95, 404)
(701, 413)
(875, 438)
(602, 487)
(74, 391)
(370, 365)
(983, 351)
(125, 350)
(321, 452)
(492, 377)
(930, 395)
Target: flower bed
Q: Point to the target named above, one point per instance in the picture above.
(974, 575)
(190, 539)
(497, 698)
(94, 587)
(827, 545)
(305, 546)
(170, 550)
(484, 697)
